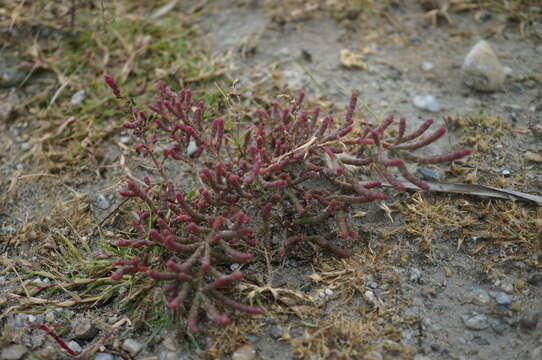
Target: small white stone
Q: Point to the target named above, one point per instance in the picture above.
(328, 292)
(170, 343)
(101, 201)
(507, 287)
(192, 147)
(103, 356)
(132, 346)
(370, 297)
(74, 345)
(476, 322)
(427, 66)
(78, 97)
(426, 102)
(245, 352)
(482, 70)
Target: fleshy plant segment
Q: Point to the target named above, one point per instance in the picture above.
(291, 174)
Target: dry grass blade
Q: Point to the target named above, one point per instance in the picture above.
(477, 190)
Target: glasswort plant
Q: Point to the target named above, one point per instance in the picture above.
(290, 173)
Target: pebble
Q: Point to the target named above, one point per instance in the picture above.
(132, 346)
(499, 326)
(84, 329)
(482, 70)
(476, 321)
(192, 147)
(372, 284)
(78, 98)
(427, 66)
(479, 296)
(13, 352)
(535, 279)
(414, 40)
(325, 293)
(507, 287)
(104, 356)
(429, 174)
(168, 355)
(101, 201)
(483, 15)
(245, 352)
(10, 73)
(7, 106)
(292, 263)
(533, 157)
(25, 146)
(426, 102)
(275, 331)
(373, 355)
(414, 274)
(170, 343)
(371, 298)
(74, 345)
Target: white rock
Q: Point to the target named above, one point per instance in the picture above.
(426, 102)
(192, 147)
(74, 345)
(78, 97)
(476, 322)
(104, 356)
(427, 66)
(132, 346)
(101, 201)
(245, 352)
(482, 70)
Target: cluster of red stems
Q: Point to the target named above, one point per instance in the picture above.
(289, 173)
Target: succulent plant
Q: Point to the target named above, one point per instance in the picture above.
(290, 172)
